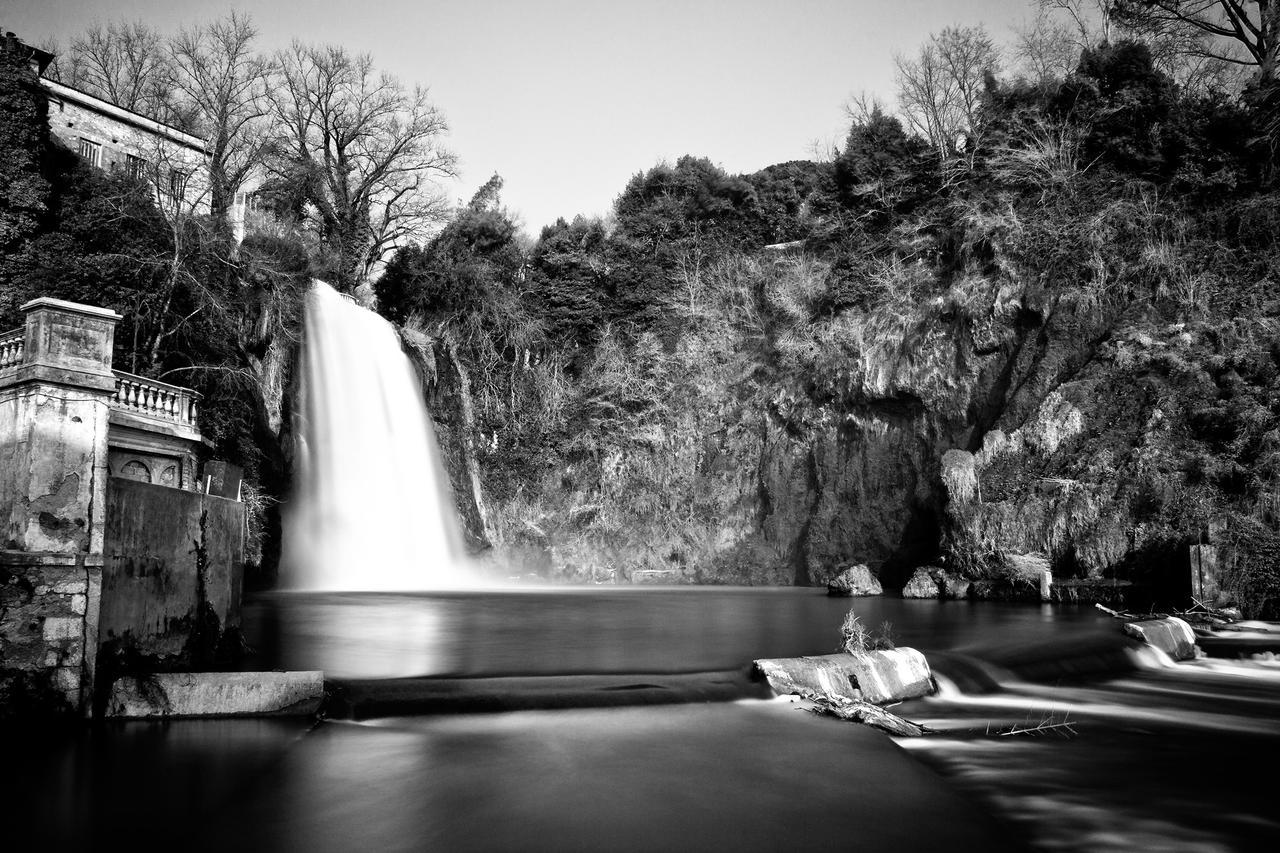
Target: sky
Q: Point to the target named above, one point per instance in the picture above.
(567, 99)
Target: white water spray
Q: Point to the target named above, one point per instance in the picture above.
(373, 508)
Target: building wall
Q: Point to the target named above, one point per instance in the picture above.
(76, 116)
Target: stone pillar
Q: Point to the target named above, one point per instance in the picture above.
(54, 407)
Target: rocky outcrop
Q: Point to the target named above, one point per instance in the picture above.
(854, 580)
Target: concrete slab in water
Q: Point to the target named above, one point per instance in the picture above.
(1170, 635)
(216, 694)
(881, 676)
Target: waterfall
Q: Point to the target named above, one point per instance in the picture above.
(372, 507)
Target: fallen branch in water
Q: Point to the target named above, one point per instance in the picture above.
(864, 712)
(1046, 726)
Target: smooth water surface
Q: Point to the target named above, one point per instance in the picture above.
(608, 629)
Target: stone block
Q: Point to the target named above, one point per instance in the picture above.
(67, 680)
(63, 628)
(854, 580)
(879, 677)
(1170, 635)
(216, 694)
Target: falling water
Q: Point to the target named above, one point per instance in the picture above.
(373, 507)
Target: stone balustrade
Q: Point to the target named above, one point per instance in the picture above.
(156, 399)
(12, 345)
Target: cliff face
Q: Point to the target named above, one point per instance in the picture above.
(988, 422)
(781, 451)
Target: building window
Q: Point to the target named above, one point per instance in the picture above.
(91, 151)
(135, 166)
(177, 183)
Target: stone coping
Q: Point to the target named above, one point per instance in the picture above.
(72, 307)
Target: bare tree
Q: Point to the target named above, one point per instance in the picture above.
(862, 106)
(1091, 20)
(368, 151)
(124, 63)
(940, 90)
(1184, 53)
(1045, 48)
(214, 69)
(1238, 32)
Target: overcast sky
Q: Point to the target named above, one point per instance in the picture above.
(566, 99)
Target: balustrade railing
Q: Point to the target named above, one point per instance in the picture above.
(12, 344)
(155, 399)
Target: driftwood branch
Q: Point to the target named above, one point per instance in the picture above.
(866, 713)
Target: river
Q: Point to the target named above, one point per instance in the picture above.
(1051, 733)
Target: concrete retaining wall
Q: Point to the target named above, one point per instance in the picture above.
(216, 694)
(166, 551)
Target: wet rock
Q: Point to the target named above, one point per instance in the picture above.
(854, 580)
(954, 586)
(923, 584)
(1170, 635)
(890, 675)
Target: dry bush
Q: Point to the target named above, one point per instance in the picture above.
(1043, 156)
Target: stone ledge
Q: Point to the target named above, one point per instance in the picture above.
(216, 694)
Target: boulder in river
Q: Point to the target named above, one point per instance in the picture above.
(923, 584)
(854, 580)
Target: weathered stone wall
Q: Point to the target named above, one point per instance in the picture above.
(54, 414)
(53, 446)
(48, 631)
(168, 552)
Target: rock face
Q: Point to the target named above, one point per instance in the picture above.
(1170, 635)
(854, 580)
(922, 584)
(955, 587)
(1002, 411)
(878, 677)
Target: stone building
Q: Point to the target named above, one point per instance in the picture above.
(118, 140)
(113, 138)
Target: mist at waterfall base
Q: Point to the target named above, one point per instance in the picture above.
(372, 508)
